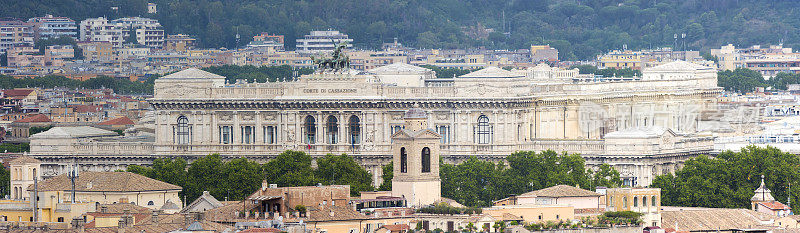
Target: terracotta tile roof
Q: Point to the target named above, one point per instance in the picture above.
(87, 108)
(227, 213)
(562, 191)
(713, 219)
(334, 213)
(34, 118)
(774, 205)
(118, 121)
(122, 207)
(106, 182)
(589, 211)
(397, 227)
(17, 92)
(24, 160)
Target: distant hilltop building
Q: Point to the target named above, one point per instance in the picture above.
(179, 43)
(50, 27)
(769, 61)
(638, 60)
(543, 53)
(151, 8)
(266, 42)
(15, 33)
(149, 32)
(322, 41)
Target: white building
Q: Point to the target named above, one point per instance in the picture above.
(148, 31)
(322, 41)
(15, 33)
(490, 114)
(50, 27)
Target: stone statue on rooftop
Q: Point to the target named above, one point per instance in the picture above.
(339, 61)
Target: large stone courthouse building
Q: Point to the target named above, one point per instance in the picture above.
(644, 126)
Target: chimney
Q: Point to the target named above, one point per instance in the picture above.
(155, 217)
(264, 185)
(121, 225)
(103, 209)
(129, 220)
(187, 219)
(78, 224)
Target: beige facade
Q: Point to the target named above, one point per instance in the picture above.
(534, 213)
(491, 117)
(23, 171)
(415, 150)
(642, 200)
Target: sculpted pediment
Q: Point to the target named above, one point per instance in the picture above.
(183, 91)
(480, 89)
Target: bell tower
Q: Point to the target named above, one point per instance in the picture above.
(415, 151)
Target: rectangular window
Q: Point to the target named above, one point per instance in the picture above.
(269, 134)
(225, 134)
(444, 131)
(248, 136)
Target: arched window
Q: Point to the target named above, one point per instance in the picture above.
(483, 130)
(332, 128)
(635, 201)
(182, 131)
(150, 203)
(644, 201)
(311, 130)
(426, 160)
(403, 160)
(653, 199)
(355, 130)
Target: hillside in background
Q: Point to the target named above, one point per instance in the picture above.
(580, 29)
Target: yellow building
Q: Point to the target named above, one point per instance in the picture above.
(642, 200)
(533, 213)
(365, 60)
(114, 187)
(621, 60)
(24, 170)
(50, 210)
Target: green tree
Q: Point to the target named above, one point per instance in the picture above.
(290, 168)
(131, 38)
(5, 182)
(38, 129)
(242, 178)
(606, 176)
(740, 80)
(342, 169)
(206, 174)
(388, 174)
(729, 179)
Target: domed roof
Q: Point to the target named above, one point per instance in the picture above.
(415, 113)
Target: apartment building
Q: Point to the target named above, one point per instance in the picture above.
(769, 61)
(13, 33)
(179, 43)
(148, 32)
(322, 41)
(50, 27)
